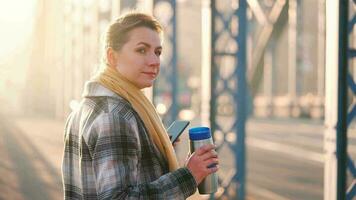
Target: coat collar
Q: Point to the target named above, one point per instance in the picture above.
(95, 89)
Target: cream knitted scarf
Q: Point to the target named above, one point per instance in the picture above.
(116, 82)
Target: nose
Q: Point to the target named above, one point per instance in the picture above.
(154, 60)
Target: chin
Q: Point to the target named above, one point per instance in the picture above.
(146, 85)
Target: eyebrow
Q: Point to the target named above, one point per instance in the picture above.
(148, 45)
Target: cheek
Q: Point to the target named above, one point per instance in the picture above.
(133, 68)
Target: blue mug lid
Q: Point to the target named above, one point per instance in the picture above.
(199, 133)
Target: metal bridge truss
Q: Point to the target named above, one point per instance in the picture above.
(229, 90)
(351, 54)
(228, 77)
(340, 108)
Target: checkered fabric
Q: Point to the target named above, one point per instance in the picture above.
(108, 154)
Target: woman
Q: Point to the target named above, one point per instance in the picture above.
(115, 144)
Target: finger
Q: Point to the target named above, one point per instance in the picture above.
(213, 169)
(205, 148)
(208, 155)
(211, 162)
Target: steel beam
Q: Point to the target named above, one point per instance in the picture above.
(229, 88)
(351, 190)
(321, 48)
(292, 56)
(278, 15)
(335, 137)
(341, 141)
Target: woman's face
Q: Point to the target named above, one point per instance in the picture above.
(139, 58)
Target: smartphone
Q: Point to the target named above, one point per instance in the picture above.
(176, 129)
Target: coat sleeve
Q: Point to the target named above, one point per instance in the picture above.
(115, 161)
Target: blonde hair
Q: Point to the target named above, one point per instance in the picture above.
(117, 33)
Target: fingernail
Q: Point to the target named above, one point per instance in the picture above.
(212, 165)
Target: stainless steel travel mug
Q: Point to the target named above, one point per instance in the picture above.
(200, 136)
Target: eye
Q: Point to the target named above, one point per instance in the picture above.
(141, 50)
(158, 52)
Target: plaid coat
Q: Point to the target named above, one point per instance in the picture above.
(109, 155)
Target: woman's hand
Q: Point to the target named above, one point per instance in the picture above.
(199, 161)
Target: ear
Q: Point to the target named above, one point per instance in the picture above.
(111, 57)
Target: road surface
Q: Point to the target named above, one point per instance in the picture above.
(284, 159)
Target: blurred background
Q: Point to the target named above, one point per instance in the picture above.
(49, 48)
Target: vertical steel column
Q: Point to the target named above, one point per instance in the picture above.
(268, 81)
(206, 63)
(331, 63)
(351, 190)
(240, 96)
(228, 85)
(321, 58)
(336, 105)
(166, 86)
(292, 57)
(341, 141)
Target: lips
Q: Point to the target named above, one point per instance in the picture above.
(152, 74)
